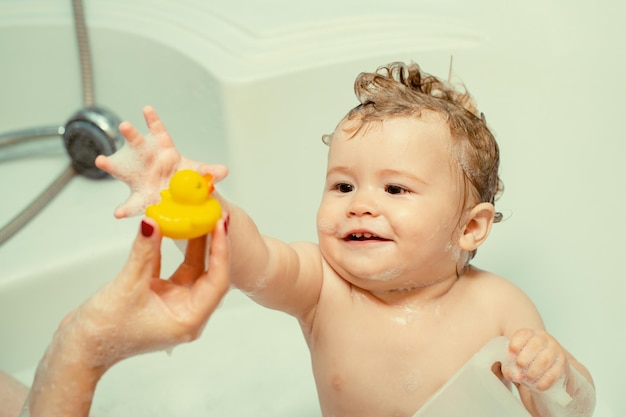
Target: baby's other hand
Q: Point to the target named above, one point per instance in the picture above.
(146, 164)
(537, 360)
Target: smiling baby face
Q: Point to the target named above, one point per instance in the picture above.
(389, 216)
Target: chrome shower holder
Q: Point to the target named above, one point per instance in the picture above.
(89, 132)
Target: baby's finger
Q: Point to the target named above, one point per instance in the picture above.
(519, 339)
(211, 287)
(157, 127)
(122, 211)
(132, 135)
(219, 172)
(540, 363)
(511, 372)
(536, 349)
(104, 163)
(555, 373)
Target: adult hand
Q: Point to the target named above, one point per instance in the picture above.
(137, 312)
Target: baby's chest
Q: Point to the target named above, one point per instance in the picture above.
(398, 359)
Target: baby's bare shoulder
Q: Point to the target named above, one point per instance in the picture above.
(492, 291)
(476, 279)
(503, 297)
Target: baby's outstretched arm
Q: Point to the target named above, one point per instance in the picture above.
(551, 382)
(146, 164)
(277, 275)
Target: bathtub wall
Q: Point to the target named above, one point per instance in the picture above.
(261, 88)
(40, 86)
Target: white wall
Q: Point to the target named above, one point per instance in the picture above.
(549, 79)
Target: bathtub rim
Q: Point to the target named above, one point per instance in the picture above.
(247, 55)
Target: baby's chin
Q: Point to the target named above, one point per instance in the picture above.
(392, 281)
(367, 277)
(376, 281)
(382, 276)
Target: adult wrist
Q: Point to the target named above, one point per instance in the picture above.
(66, 378)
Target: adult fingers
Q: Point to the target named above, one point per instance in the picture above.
(211, 287)
(193, 264)
(145, 256)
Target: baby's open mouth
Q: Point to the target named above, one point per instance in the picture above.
(363, 237)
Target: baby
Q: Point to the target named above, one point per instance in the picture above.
(388, 301)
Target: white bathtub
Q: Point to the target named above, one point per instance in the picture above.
(256, 90)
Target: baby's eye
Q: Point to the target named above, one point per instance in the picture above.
(343, 187)
(395, 189)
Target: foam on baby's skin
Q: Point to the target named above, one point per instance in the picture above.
(326, 228)
(129, 163)
(387, 275)
(407, 314)
(258, 285)
(412, 381)
(556, 401)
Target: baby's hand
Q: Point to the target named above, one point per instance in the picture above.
(537, 360)
(146, 164)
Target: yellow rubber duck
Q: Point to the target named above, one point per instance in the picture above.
(187, 209)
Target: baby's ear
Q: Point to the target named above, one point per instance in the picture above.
(477, 226)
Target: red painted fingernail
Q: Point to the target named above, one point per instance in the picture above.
(226, 221)
(146, 229)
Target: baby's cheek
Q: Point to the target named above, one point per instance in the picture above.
(325, 227)
(326, 221)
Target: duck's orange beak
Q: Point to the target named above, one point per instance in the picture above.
(209, 180)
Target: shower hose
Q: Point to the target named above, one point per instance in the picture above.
(27, 214)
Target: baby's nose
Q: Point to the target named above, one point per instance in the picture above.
(363, 203)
